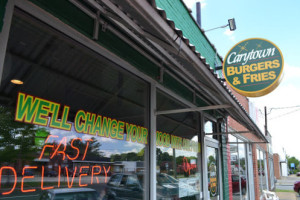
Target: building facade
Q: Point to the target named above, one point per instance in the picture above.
(121, 97)
(251, 159)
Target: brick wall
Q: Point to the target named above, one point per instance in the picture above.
(276, 165)
(226, 168)
(252, 137)
(229, 173)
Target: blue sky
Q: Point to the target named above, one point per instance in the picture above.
(278, 22)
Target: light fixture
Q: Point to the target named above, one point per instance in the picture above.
(17, 82)
(231, 24)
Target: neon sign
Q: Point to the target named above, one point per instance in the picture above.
(70, 178)
(82, 171)
(63, 142)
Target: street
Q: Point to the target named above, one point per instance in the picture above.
(287, 183)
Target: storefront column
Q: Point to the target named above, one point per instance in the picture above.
(7, 7)
(152, 142)
(251, 171)
(268, 171)
(203, 151)
(255, 172)
(266, 168)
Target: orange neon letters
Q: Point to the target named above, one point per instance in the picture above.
(15, 178)
(64, 142)
(86, 148)
(75, 149)
(47, 145)
(42, 181)
(95, 173)
(67, 173)
(27, 177)
(59, 172)
(106, 171)
(83, 174)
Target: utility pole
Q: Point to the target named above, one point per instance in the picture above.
(266, 121)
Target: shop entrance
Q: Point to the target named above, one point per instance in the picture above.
(212, 190)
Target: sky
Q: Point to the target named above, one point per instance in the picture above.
(278, 22)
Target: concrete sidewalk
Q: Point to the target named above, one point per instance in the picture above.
(287, 195)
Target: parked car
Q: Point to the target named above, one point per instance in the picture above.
(261, 173)
(130, 186)
(298, 174)
(236, 184)
(51, 173)
(124, 186)
(297, 187)
(27, 172)
(72, 193)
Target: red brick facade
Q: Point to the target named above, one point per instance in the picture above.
(251, 137)
(276, 165)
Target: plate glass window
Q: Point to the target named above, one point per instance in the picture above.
(178, 152)
(77, 121)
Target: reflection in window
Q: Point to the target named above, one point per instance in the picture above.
(239, 171)
(178, 156)
(212, 175)
(77, 119)
(261, 170)
(208, 128)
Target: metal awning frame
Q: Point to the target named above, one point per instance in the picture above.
(246, 142)
(192, 109)
(229, 133)
(168, 34)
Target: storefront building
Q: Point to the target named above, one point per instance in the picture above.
(252, 165)
(110, 99)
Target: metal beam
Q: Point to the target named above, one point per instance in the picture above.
(235, 132)
(192, 109)
(247, 142)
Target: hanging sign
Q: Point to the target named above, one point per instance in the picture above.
(253, 67)
(213, 183)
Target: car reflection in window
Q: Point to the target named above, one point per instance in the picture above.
(236, 181)
(167, 186)
(70, 194)
(130, 186)
(125, 186)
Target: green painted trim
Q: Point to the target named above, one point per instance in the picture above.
(177, 12)
(177, 87)
(3, 4)
(224, 158)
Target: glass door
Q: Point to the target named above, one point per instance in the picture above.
(212, 169)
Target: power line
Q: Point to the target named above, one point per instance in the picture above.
(278, 108)
(285, 107)
(285, 114)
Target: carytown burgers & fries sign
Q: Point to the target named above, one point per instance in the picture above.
(253, 67)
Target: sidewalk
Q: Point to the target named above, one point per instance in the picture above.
(287, 195)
